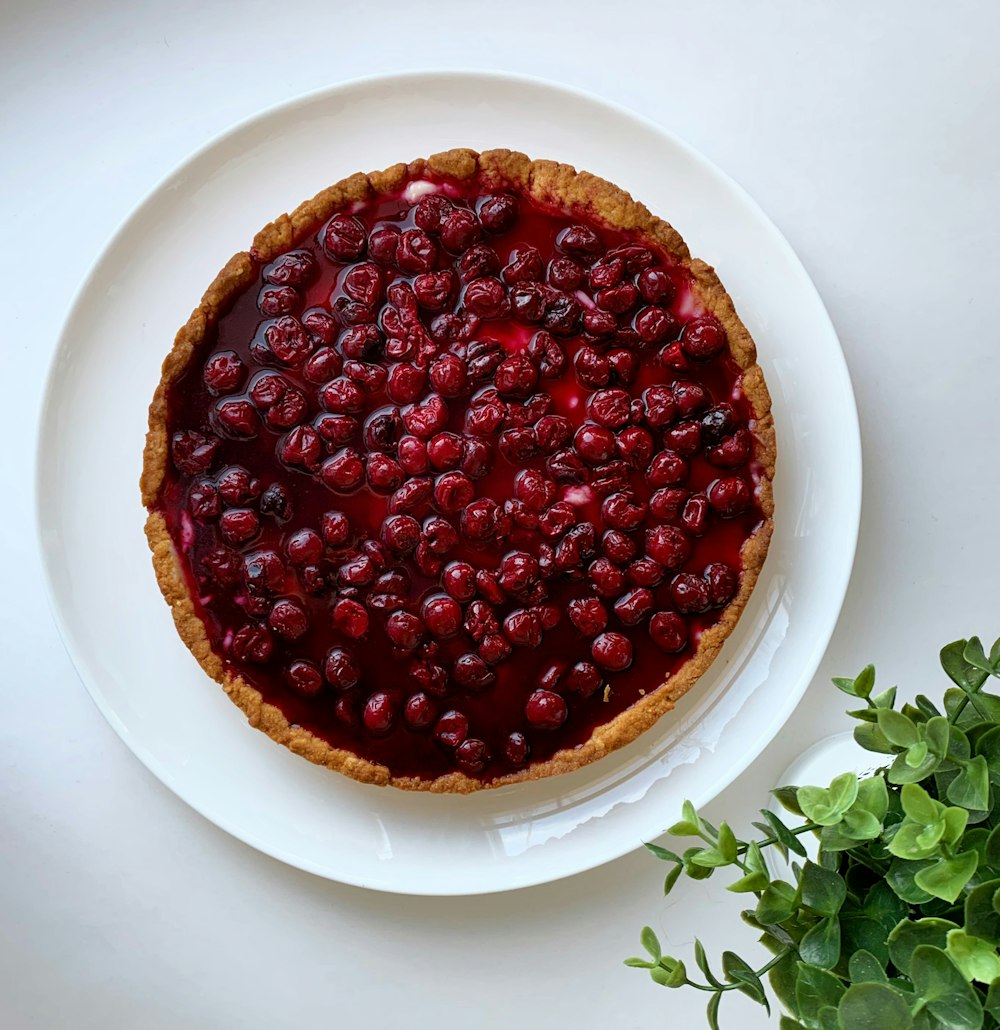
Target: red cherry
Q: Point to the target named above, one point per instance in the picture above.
(668, 631)
(729, 497)
(304, 678)
(703, 338)
(350, 618)
(545, 710)
(451, 729)
(668, 545)
(224, 371)
(588, 615)
(442, 616)
(690, 593)
(612, 651)
(252, 643)
(472, 755)
(379, 713)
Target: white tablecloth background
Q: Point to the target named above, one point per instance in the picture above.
(868, 132)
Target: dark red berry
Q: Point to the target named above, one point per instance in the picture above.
(668, 631)
(459, 579)
(472, 755)
(344, 472)
(612, 651)
(545, 710)
(451, 729)
(350, 618)
(224, 371)
(690, 593)
(341, 669)
(583, 679)
(442, 616)
(516, 748)
(633, 607)
(471, 672)
(419, 712)
(498, 213)
(379, 713)
(588, 615)
(729, 497)
(288, 619)
(304, 678)
(703, 338)
(722, 582)
(253, 643)
(404, 630)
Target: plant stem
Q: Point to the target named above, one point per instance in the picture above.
(735, 986)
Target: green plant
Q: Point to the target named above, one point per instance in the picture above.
(896, 924)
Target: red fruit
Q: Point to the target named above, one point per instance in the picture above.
(477, 458)
(689, 398)
(516, 749)
(583, 679)
(498, 212)
(668, 545)
(623, 510)
(405, 383)
(445, 451)
(617, 299)
(618, 547)
(292, 268)
(633, 607)
(429, 677)
(419, 711)
(668, 631)
(451, 729)
(579, 241)
(301, 447)
(684, 438)
(516, 376)
(304, 678)
(416, 252)
(485, 297)
(288, 340)
(592, 369)
(518, 572)
(635, 445)
(411, 496)
(562, 314)
(341, 669)
(666, 504)
(361, 342)
(203, 500)
(459, 230)
(448, 375)
(729, 497)
(518, 445)
(703, 338)
(239, 525)
(695, 514)
(525, 265)
(594, 443)
(404, 630)
(588, 615)
(439, 534)
(565, 274)
(668, 468)
(223, 371)
(223, 566)
(599, 324)
(442, 616)
(545, 710)
(336, 430)
(288, 619)
(336, 528)
(433, 289)
(722, 582)
(344, 238)
(607, 578)
(344, 472)
(359, 572)
(379, 713)
(342, 396)
(350, 618)
(431, 212)
(453, 491)
(238, 418)
(470, 672)
(413, 455)
(472, 755)
(370, 377)
(236, 486)
(534, 490)
(253, 643)
(612, 651)
(523, 628)
(277, 501)
(732, 451)
(661, 408)
(656, 286)
(478, 261)
(383, 473)
(401, 534)
(690, 593)
(527, 303)
(611, 408)
(459, 579)
(654, 325)
(552, 432)
(426, 419)
(557, 519)
(624, 365)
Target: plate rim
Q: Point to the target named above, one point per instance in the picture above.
(850, 444)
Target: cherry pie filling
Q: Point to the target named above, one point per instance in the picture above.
(460, 479)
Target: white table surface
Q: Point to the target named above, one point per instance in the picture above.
(868, 132)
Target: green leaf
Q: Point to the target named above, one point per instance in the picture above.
(901, 771)
(821, 945)
(919, 806)
(689, 825)
(995, 652)
(946, 877)
(865, 681)
(828, 1018)
(858, 824)
(955, 821)
(814, 990)
(915, 841)
(755, 881)
(871, 738)
(988, 745)
(787, 797)
(916, 756)
(936, 735)
(694, 871)
(709, 858)
(826, 806)
(662, 853)
(874, 1006)
(977, 958)
(939, 983)
(901, 877)
(897, 728)
(959, 671)
(712, 1013)
(669, 973)
(782, 833)
(672, 878)
(976, 656)
(886, 699)
(911, 934)
(650, 942)
(864, 967)
(702, 959)
(981, 918)
(727, 844)
(737, 971)
(863, 934)
(787, 1023)
(846, 685)
(783, 979)
(993, 848)
(882, 905)
(822, 891)
(992, 1003)
(638, 963)
(777, 902)
(971, 787)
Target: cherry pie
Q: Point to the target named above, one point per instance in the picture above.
(462, 475)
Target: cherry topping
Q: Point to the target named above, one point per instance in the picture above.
(703, 338)
(419, 712)
(729, 497)
(451, 729)
(442, 616)
(304, 678)
(472, 755)
(379, 714)
(612, 651)
(516, 749)
(350, 618)
(546, 710)
(668, 631)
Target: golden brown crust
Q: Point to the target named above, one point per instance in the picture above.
(547, 182)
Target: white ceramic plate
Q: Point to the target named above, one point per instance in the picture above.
(182, 726)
